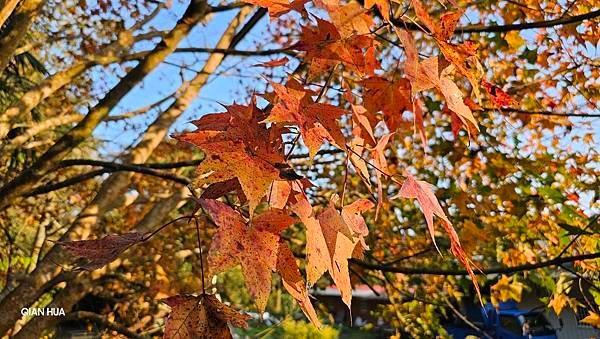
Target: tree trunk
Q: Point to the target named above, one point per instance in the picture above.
(6, 9)
(19, 25)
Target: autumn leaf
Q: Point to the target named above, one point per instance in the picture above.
(273, 63)
(423, 192)
(238, 146)
(426, 74)
(318, 258)
(382, 5)
(497, 95)
(254, 246)
(506, 289)
(201, 316)
(317, 122)
(418, 121)
(352, 215)
(100, 252)
(363, 123)
(558, 302)
(294, 283)
(279, 194)
(342, 232)
(331, 238)
(277, 8)
(326, 47)
(430, 206)
(357, 148)
(411, 65)
(447, 24)
(462, 56)
(349, 19)
(219, 189)
(514, 40)
(423, 15)
(391, 98)
(593, 319)
(380, 162)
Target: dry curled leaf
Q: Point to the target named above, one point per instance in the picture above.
(204, 316)
(430, 206)
(100, 252)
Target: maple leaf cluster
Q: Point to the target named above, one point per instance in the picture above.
(245, 153)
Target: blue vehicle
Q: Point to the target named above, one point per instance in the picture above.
(506, 322)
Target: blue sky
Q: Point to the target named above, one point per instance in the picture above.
(167, 78)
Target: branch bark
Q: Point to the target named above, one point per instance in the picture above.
(21, 19)
(547, 113)
(28, 291)
(510, 27)
(6, 9)
(492, 270)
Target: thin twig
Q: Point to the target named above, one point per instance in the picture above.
(591, 223)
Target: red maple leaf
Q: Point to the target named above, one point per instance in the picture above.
(238, 146)
(317, 122)
(253, 245)
(498, 96)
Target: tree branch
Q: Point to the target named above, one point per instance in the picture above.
(510, 27)
(492, 270)
(548, 113)
(102, 321)
(530, 25)
(90, 162)
(110, 167)
(229, 51)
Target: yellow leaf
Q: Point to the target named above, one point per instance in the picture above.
(506, 289)
(592, 319)
(559, 301)
(514, 40)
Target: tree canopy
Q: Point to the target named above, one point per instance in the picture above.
(189, 164)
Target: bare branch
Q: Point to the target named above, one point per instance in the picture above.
(492, 270)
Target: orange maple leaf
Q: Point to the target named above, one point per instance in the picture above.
(331, 239)
(254, 246)
(317, 122)
(278, 8)
(497, 95)
(426, 74)
(238, 146)
(342, 232)
(391, 98)
(294, 283)
(326, 47)
(380, 162)
(462, 56)
(430, 206)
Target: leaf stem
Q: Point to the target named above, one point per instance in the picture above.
(201, 254)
